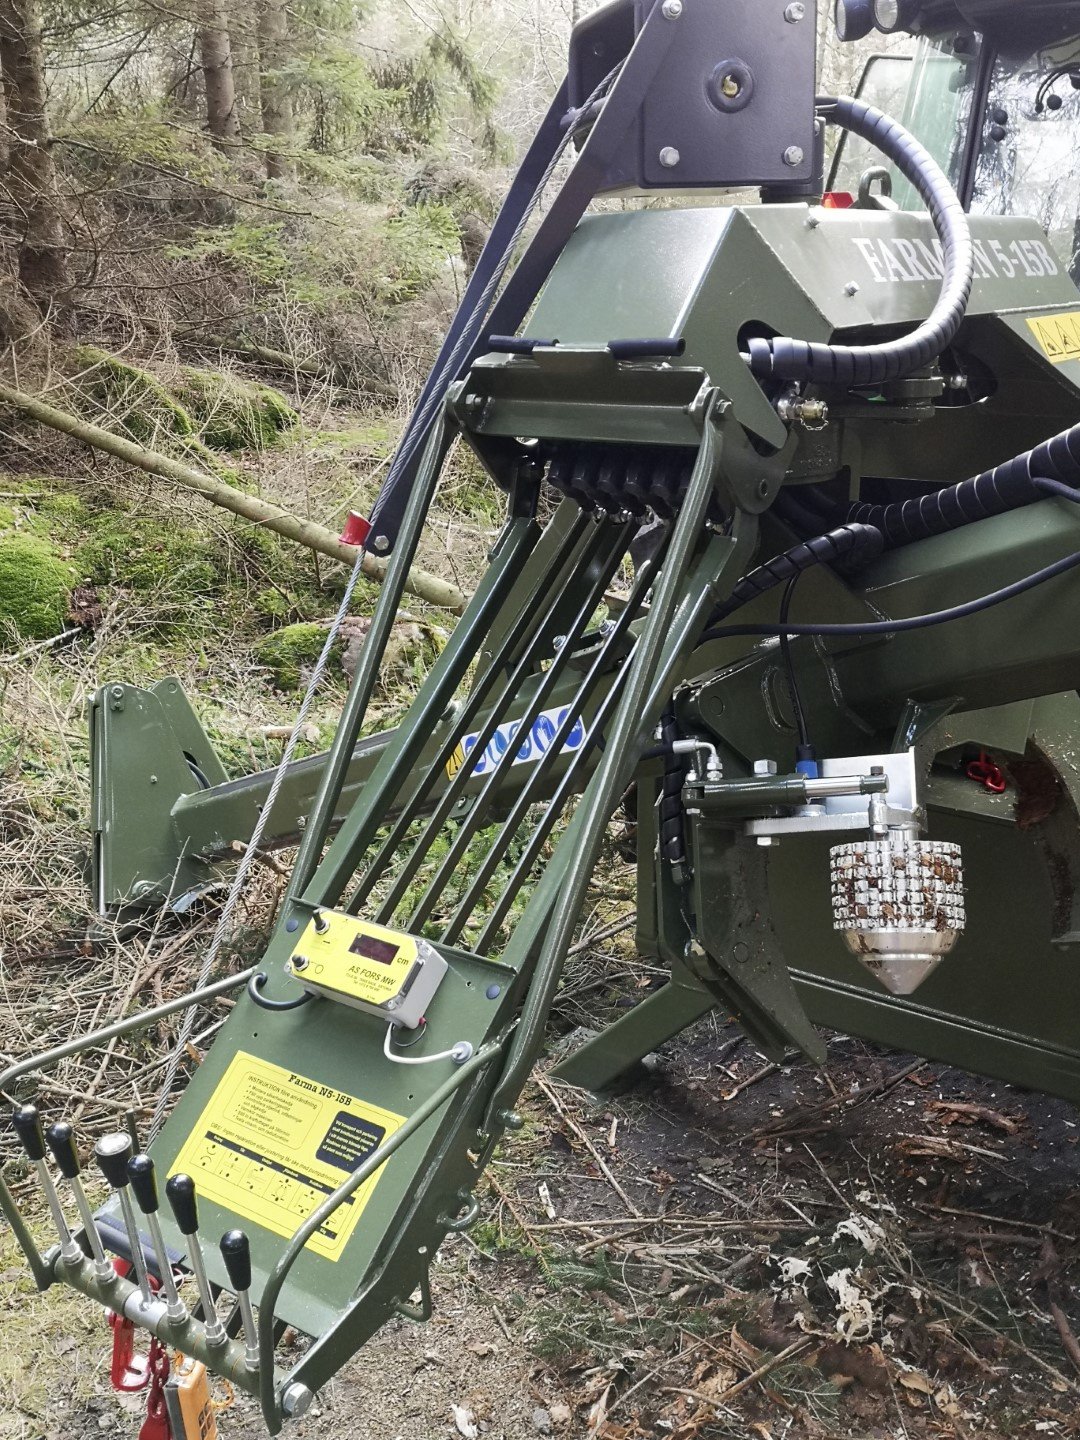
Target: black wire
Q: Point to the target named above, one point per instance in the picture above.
(789, 664)
(913, 622)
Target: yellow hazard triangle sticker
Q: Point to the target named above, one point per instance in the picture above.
(1058, 335)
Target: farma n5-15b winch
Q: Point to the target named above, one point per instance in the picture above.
(843, 683)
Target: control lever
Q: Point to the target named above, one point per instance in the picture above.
(112, 1153)
(27, 1123)
(61, 1140)
(143, 1178)
(180, 1190)
(236, 1252)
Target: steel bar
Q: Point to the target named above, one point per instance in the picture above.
(268, 1381)
(526, 630)
(407, 742)
(678, 610)
(513, 690)
(367, 673)
(473, 822)
(530, 793)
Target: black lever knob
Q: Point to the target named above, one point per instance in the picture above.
(27, 1123)
(180, 1190)
(236, 1252)
(112, 1153)
(61, 1138)
(141, 1173)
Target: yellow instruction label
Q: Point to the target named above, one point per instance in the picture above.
(271, 1145)
(1058, 335)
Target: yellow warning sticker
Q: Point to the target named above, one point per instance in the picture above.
(1058, 335)
(271, 1145)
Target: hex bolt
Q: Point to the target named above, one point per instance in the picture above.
(296, 1399)
(669, 157)
(766, 767)
(61, 1139)
(180, 1192)
(143, 1180)
(112, 1153)
(794, 156)
(300, 962)
(851, 288)
(671, 9)
(27, 1125)
(795, 12)
(381, 543)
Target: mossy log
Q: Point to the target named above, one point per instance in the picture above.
(305, 532)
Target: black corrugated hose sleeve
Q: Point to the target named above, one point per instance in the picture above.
(858, 542)
(1007, 487)
(672, 835)
(859, 365)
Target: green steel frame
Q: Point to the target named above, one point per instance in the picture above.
(490, 858)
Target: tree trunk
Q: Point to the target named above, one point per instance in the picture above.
(31, 178)
(215, 54)
(277, 110)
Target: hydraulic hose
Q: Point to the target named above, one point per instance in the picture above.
(860, 365)
(1006, 487)
(857, 542)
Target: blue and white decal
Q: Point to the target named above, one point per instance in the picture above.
(536, 742)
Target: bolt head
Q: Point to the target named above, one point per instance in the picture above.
(296, 1399)
(671, 9)
(381, 543)
(669, 157)
(300, 962)
(795, 12)
(766, 767)
(851, 288)
(794, 156)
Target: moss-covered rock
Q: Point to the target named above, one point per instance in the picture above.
(150, 555)
(235, 414)
(133, 396)
(35, 583)
(289, 653)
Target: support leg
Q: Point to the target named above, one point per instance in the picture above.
(600, 1062)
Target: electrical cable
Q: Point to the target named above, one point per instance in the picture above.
(912, 622)
(789, 666)
(459, 1053)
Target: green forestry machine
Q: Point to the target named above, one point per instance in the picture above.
(830, 442)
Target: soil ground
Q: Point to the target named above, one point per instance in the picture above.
(886, 1244)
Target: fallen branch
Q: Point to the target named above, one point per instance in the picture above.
(272, 517)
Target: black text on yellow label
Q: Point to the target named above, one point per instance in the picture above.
(1058, 335)
(271, 1145)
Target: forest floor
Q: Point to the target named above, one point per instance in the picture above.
(729, 1249)
(638, 1262)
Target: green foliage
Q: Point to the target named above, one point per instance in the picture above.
(234, 414)
(419, 240)
(289, 653)
(255, 249)
(35, 583)
(115, 146)
(148, 556)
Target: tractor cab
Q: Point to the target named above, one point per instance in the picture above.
(994, 95)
